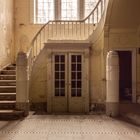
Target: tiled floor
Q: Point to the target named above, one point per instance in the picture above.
(68, 127)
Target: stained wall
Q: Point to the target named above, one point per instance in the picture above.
(6, 32)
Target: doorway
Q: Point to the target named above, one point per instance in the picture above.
(125, 75)
(68, 85)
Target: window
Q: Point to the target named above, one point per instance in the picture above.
(68, 9)
(43, 11)
(89, 6)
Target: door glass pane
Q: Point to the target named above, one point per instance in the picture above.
(78, 67)
(56, 75)
(62, 67)
(76, 75)
(73, 84)
(62, 58)
(73, 58)
(73, 67)
(73, 75)
(57, 67)
(59, 75)
(62, 75)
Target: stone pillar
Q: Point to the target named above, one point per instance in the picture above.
(112, 75)
(22, 97)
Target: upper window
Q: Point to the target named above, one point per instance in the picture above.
(89, 6)
(69, 9)
(43, 11)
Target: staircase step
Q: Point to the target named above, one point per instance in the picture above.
(7, 89)
(7, 82)
(11, 114)
(7, 105)
(7, 96)
(8, 72)
(7, 77)
(7, 102)
(11, 67)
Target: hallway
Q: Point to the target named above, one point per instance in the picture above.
(68, 127)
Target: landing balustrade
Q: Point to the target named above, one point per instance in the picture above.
(65, 30)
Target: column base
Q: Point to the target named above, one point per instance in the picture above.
(112, 109)
(23, 106)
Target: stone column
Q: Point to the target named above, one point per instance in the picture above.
(112, 75)
(22, 97)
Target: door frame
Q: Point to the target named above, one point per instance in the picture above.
(52, 48)
(133, 52)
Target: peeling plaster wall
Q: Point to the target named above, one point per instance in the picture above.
(6, 32)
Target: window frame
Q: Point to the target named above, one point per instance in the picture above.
(57, 11)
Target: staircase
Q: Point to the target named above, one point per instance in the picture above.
(8, 93)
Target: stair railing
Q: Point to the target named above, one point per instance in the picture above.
(65, 30)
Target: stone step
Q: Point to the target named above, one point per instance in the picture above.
(11, 67)
(7, 82)
(8, 72)
(11, 114)
(7, 105)
(7, 96)
(7, 89)
(7, 77)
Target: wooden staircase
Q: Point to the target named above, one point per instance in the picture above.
(8, 94)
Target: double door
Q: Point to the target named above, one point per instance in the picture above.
(68, 89)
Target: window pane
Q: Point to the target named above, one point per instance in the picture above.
(78, 67)
(43, 11)
(73, 68)
(69, 9)
(89, 6)
(57, 67)
(57, 84)
(56, 75)
(79, 75)
(73, 84)
(62, 67)
(57, 58)
(62, 75)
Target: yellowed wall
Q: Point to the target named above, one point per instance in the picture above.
(24, 29)
(6, 32)
(122, 31)
(97, 71)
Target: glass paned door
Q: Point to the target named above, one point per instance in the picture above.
(59, 98)
(76, 100)
(68, 96)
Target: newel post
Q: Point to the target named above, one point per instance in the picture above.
(22, 97)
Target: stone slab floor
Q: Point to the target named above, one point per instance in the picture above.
(68, 127)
